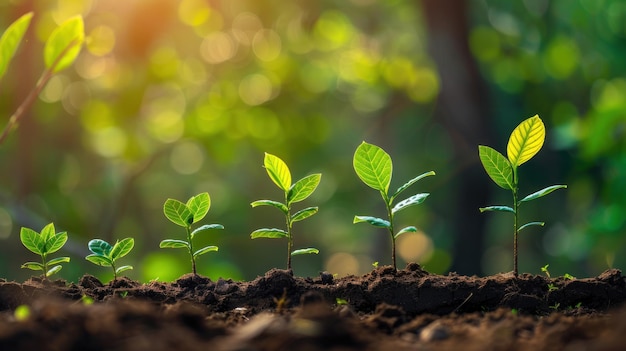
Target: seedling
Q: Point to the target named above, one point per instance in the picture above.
(568, 276)
(279, 173)
(44, 244)
(524, 143)
(184, 215)
(374, 167)
(552, 287)
(105, 254)
(545, 270)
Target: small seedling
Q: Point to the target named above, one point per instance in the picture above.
(86, 300)
(339, 301)
(374, 167)
(555, 306)
(281, 176)
(545, 270)
(105, 254)
(524, 143)
(552, 287)
(184, 215)
(568, 276)
(43, 244)
(375, 264)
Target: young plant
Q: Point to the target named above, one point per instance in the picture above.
(281, 176)
(524, 143)
(105, 254)
(44, 244)
(374, 167)
(184, 215)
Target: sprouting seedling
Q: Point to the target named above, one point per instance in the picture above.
(44, 244)
(184, 215)
(524, 143)
(374, 167)
(281, 176)
(105, 254)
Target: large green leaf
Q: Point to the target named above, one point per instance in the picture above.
(100, 247)
(376, 222)
(497, 166)
(199, 206)
(272, 233)
(411, 182)
(99, 260)
(64, 44)
(303, 188)
(205, 228)
(303, 214)
(278, 171)
(178, 212)
(373, 166)
(204, 250)
(11, 39)
(526, 141)
(122, 248)
(542, 192)
(173, 244)
(56, 242)
(279, 205)
(32, 240)
(308, 250)
(411, 201)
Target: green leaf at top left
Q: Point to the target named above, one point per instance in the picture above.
(373, 166)
(31, 240)
(278, 171)
(64, 44)
(177, 212)
(11, 39)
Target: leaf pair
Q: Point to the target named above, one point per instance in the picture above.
(105, 254)
(46, 242)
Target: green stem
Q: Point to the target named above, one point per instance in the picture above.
(393, 239)
(45, 266)
(515, 210)
(289, 237)
(193, 259)
(114, 271)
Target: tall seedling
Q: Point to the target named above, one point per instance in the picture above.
(279, 173)
(524, 143)
(44, 244)
(374, 167)
(105, 254)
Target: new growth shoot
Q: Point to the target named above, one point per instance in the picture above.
(44, 244)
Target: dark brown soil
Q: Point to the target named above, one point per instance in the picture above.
(384, 310)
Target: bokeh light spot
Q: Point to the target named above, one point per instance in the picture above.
(332, 30)
(342, 264)
(187, 158)
(414, 247)
(194, 12)
(255, 89)
(218, 47)
(6, 224)
(109, 142)
(163, 267)
(96, 115)
(561, 57)
(53, 91)
(166, 126)
(266, 45)
(101, 41)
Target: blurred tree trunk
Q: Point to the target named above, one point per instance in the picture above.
(462, 107)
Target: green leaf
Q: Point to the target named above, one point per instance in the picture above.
(303, 214)
(47, 232)
(411, 182)
(542, 192)
(58, 260)
(309, 250)
(32, 240)
(410, 229)
(64, 44)
(411, 201)
(35, 266)
(56, 242)
(53, 270)
(199, 206)
(279, 205)
(205, 228)
(123, 269)
(272, 233)
(204, 250)
(278, 171)
(497, 166)
(122, 248)
(99, 260)
(303, 188)
(526, 141)
(174, 244)
(100, 247)
(178, 213)
(376, 222)
(11, 39)
(497, 208)
(540, 224)
(373, 166)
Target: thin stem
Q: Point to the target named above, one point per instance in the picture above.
(289, 236)
(515, 210)
(45, 266)
(193, 259)
(393, 239)
(114, 271)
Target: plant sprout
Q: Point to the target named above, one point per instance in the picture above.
(281, 176)
(524, 143)
(374, 167)
(184, 215)
(44, 244)
(105, 254)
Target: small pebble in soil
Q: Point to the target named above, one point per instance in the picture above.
(326, 278)
(434, 331)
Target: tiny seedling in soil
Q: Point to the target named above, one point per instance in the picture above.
(524, 143)
(44, 244)
(281, 176)
(545, 270)
(374, 167)
(105, 254)
(184, 215)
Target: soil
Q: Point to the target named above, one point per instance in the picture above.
(408, 309)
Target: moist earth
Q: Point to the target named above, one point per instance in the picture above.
(408, 309)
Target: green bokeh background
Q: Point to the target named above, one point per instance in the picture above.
(170, 98)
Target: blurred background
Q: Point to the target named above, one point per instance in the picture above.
(170, 98)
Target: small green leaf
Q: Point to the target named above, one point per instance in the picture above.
(411, 182)
(53, 270)
(178, 213)
(123, 269)
(205, 228)
(199, 206)
(542, 192)
(122, 248)
(310, 250)
(174, 244)
(278, 171)
(272, 233)
(540, 224)
(47, 232)
(497, 166)
(279, 205)
(99, 260)
(11, 39)
(58, 260)
(497, 208)
(100, 247)
(35, 266)
(526, 140)
(32, 240)
(204, 250)
(373, 166)
(376, 222)
(410, 229)
(303, 214)
(303, 188)
(411, 201)
(64, 44)
(56, 242)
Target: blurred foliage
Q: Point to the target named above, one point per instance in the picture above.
(171, 98)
